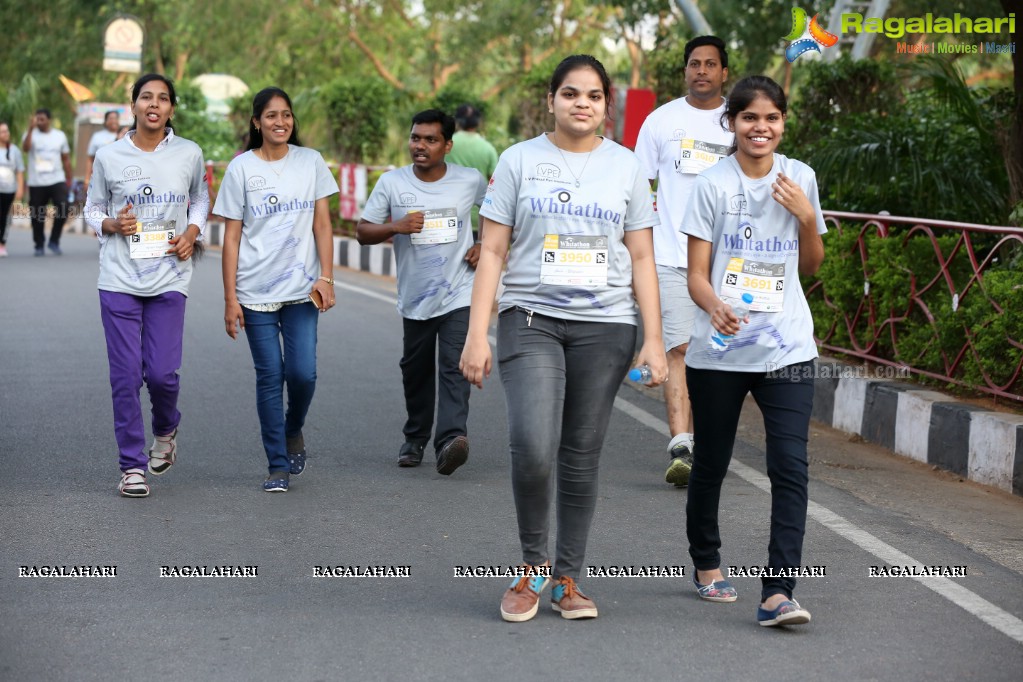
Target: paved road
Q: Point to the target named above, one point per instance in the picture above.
(355, 507)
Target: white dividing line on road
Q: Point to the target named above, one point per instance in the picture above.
(1001, 620)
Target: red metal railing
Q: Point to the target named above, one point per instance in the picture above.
(963, 254)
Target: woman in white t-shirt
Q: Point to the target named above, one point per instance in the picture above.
(754, 223)
(12, 181)
(278, 263)
(574, 209)
(148, 204)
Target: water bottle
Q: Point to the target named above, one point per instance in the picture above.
(719, 341)
(641, 374)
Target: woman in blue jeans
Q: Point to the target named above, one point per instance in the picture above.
(277, 261)
(754, 223)
(572, 212)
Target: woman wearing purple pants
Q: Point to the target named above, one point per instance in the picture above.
(148, 204)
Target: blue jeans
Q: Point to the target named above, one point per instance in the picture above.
(786, 399)
(296, 325)
(560, 379)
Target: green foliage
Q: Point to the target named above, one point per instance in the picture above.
(932, 320)
(667, 68)
(18, 103)
(454, 95)
(359, 111)
(215, 135)
(875, 151)
(530, 117)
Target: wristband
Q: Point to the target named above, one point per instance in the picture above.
(328, 280)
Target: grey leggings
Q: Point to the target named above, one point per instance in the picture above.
(560, 379)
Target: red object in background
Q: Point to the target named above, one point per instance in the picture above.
(632, 106)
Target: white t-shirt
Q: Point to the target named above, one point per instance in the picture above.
(433, 276)
(277, 257)
(568, 259)
(675, 144)
(754, 249)
(159, 185)
(101, 138)
(11, 163)
(45, 167)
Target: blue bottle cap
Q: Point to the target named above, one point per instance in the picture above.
(635, 374)
(747, 298)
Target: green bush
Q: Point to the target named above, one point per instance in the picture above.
(359, 111)
(923, 317)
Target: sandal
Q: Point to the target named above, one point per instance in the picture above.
(164, 453)
(133, 484)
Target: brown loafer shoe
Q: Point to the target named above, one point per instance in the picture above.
(567, 600)
(522, 600)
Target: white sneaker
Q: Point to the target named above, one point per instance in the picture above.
(3, 251)
(164, 453)
(133, 484)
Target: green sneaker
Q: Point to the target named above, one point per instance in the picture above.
(681, 466)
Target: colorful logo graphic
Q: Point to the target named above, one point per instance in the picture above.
(802, 43)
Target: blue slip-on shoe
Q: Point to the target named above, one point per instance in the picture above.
(296, 454)
(719, 590)
(789, 612)
(276, 483)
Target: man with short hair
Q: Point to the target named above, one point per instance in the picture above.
(425, 208)
(49, 178)
(104, 136)
(468, 147)
(676, 142)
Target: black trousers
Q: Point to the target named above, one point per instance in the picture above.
(432, 350)
(5, 212)
(785, 398)
(38, 197)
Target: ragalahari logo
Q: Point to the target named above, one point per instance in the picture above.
(805, 37)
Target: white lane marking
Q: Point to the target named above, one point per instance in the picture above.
(972, 603)
(366, 292)
(999, 619)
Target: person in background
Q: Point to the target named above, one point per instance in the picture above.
(49, 178)
(278, 261)
(148, 204)
(754, 223)
(104, 136)
(425, 208)
(12, 181)
(678, 141)
(571, 210)
(468, 147)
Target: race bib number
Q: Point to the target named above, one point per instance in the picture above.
(574, 260)
(765, 281)
(439, 227)
(696, 156)
(6, 175)
(152, 240)
(44, 165)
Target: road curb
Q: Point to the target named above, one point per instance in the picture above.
(931, 427)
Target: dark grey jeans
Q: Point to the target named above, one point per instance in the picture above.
(560, 378)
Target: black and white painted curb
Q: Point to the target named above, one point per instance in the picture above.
(931, 427)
